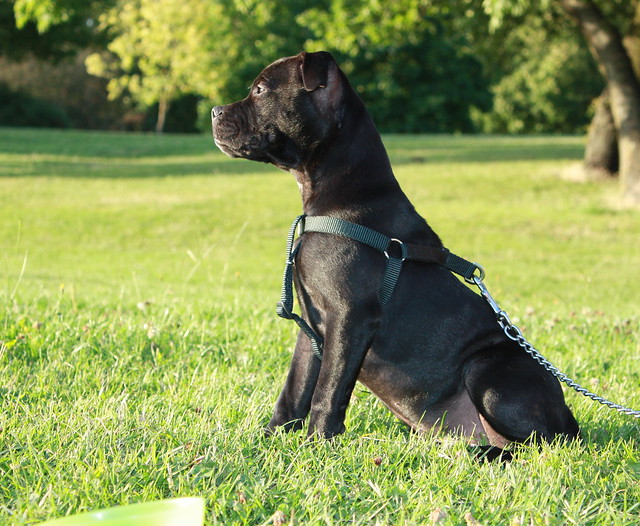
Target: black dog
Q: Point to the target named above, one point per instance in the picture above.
(434, 354)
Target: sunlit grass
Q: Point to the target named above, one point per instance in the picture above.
(141, 355)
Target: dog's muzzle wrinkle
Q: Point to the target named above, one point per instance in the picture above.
(227, 127)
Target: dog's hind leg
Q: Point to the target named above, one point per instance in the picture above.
(294, 401)
(518, 398)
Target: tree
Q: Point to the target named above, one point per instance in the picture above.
(415, 72)
(260, 31)
(607, 47)
(605, 41)
(47, 14)
(159, 51)
(23, 33)
(155, 52)
(544, 82)
(163, 49)
(601, 159)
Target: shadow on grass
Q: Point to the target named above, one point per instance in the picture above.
(423, 149)
(75, 153)
(83, 143)
(28, 152)
(105, 168)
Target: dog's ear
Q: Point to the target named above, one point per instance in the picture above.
(325, 82)
(315, 69)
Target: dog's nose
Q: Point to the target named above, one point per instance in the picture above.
(216, 111)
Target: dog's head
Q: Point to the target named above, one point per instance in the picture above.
(293, 106)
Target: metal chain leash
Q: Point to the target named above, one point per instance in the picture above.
(514, 333)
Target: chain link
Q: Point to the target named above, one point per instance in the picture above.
(514, 333)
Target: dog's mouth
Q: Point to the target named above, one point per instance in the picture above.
(255, 147)
(224, 148)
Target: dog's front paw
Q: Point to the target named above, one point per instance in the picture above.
(325, 431)
(274, 425)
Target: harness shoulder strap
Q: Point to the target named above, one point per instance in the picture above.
(340, 227)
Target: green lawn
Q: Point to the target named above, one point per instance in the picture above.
(141, 354)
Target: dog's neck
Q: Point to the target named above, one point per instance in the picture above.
(350, 177)
(332, 181)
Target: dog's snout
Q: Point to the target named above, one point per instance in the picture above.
(217, 111)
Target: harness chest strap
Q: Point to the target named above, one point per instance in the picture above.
(374, 239)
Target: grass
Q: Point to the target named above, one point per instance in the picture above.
(141, 356)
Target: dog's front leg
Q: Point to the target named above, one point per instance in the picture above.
(347, 340)
(294, 401)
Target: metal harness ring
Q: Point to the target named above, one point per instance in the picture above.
(403, 249)
(478, 274)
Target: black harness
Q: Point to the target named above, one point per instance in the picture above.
(393, 249)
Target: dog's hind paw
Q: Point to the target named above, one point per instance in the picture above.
(491, 454)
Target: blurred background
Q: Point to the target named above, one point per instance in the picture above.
(421, 66)
(434, 66)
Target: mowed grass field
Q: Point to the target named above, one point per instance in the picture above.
(140, 354)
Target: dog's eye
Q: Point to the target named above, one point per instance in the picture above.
(259, 89)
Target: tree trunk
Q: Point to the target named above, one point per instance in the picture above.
(632, 40)
(601, 155)
(163, 108)
(607, 48)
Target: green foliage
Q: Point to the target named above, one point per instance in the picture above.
(66, 84)
(501, 12)
(543, 92)
(160, 50)
(58, 41)
(419, 65)
(47, 14)
(19, 109)
(412, 71)
(141, 354)
(260, 32)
